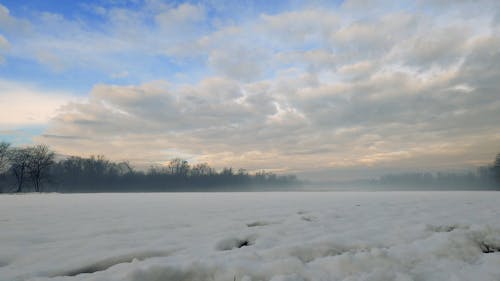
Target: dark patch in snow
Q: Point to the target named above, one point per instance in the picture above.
(107, 263)
(258, 223)
(234, 243)
(308, 218)
(445, 228)
(309, 253)
(488, 248)
(487, 240)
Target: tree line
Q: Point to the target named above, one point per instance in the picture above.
(35, 169)
(485, 177)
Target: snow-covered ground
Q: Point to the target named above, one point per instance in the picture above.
(251, 236)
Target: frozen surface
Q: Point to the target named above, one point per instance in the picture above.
(251, 236)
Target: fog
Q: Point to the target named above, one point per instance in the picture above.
(35, 169)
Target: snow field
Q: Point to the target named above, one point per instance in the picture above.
(251, 236)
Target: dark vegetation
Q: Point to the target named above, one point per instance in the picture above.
(35, 169)
(486, 177)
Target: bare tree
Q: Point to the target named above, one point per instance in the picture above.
(496, 168)
(19, 159)
(40, 160)
(124, 168)
(178, 167)
(201, 169)
(4, 165)
(4, 156)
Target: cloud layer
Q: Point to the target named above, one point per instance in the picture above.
(311, 88)
(24, 105)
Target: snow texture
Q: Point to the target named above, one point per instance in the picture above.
(295, 236)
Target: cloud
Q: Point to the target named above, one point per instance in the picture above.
(358, 69)
(370, 38)
(240, 63)
(299, 27)
(184, 13)
(434, 47)
(295, 123)
(4, 45)
(314, 60)
(120, 75)
(406, 85)
(11, 24)
(22, 105)
(123, 40)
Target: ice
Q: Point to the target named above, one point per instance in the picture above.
(287, 236)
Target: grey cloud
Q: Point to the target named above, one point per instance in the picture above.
(182, 13)
(372, 37)
(214, 102)
(400, 90)
(356, 124)
(481, 65)
(10, 24)
(299, 28)
(313, 60)
(16, 133)
(4, 43)
(181, 23)
(240, 63)
(496, 20)
(401, 98)
(246, 52)
(436, 46)
(48, 136)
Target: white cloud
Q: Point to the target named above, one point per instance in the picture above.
(184, 13)
(4, 43)
(357, 68)
(11, 24)
(372, 38)
(24, 105)
(240, 63)
(299, 27)
(120, 75)
(64, 43)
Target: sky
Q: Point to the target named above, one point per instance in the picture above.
(321, 89)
